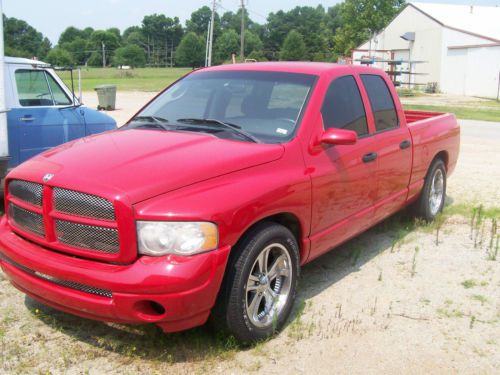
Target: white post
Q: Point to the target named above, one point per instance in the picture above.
(206, 45)
(212, 19)
(4, 142)
(103, 55)
(80, 85)
(242, 36)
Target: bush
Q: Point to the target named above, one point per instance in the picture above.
(131, 55)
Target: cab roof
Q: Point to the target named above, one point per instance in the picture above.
(314, 68)
(22, 60)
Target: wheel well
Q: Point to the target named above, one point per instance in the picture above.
(286, 219)
(443, 155)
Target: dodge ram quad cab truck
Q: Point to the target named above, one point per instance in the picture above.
(210, 199)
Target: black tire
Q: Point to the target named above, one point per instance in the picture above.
(231, 311)
(423, 207)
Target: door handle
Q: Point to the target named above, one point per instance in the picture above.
(26, 118)
(405, 144)
(371, 156)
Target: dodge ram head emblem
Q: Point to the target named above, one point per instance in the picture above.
(48, 177)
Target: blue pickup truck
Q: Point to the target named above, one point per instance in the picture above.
(41, 112)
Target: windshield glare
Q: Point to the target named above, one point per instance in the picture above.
(266, 105)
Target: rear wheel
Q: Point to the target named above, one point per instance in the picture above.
(431, 201)
(260, 285)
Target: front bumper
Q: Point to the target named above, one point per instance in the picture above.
(185, 287)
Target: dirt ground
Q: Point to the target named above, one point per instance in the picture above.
(401, 298)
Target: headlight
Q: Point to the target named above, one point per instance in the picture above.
(159, 238)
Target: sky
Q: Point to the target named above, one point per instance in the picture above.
(51, 17)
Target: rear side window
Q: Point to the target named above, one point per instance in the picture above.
(343, 107)
(384, 111)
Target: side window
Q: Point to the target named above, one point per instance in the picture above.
(343, 107)
(36, 88)
(60, 97)
(32, 88)
(383, 108)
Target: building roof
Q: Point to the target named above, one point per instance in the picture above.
(482, 21)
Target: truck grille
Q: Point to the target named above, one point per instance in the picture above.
(66, 283)
(88, 236)
(30, 221)
(68, 221)
(26, 191)
(81, 204)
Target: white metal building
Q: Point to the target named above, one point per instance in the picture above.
(457, 46)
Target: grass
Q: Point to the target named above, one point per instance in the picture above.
(469, 283)
(491, 113)
(139, 79)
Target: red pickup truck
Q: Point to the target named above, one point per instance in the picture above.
(208, 201)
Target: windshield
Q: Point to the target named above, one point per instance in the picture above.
(241, 105)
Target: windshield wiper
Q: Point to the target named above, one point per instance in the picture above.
(235, 128)
(145, 121)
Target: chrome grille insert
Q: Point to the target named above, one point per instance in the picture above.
(65, 283)
(27, 220)
(88, 237)
(29, 192)
(82, 204)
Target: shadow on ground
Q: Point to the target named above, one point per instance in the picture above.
(198, 344)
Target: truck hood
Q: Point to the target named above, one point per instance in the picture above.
(139, 164)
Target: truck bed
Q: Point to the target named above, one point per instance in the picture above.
(414, 116)
(431, 133)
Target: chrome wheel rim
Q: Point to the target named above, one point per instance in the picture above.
(269, 285)
(436, 194)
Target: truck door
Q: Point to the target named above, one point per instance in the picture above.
(393, 147)
(343, 176)
(42, 118)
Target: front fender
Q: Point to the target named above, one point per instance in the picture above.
(238, 200)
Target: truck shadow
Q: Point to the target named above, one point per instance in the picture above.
(149, 342)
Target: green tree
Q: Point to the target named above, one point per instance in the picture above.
(227, 44)
(252, 42)
(78, 49)
(23, 40)
(60, 57)
(131, 55)
(70, 34)
(361, 19)
(130, 30)
(161, 33)
(200, 18)
(191, 51)
(306, 20)
(110, 41)
(294, 48)
(115, 31)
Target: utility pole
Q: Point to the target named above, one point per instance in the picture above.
(211, 41)
(242, 36)
(166, 53)
(103, 55)
(206, 45)
(172, 54)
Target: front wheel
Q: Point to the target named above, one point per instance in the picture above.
(432, 197)
(261, 283)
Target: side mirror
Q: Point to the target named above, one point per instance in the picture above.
(334, 136)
